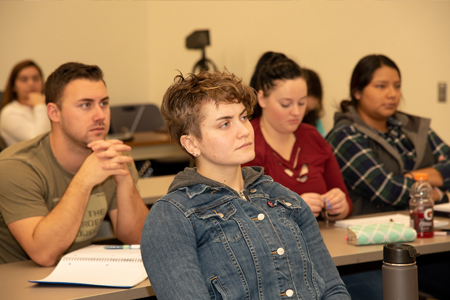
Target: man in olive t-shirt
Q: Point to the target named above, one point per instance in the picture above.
(56, 189)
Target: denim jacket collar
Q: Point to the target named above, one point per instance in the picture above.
(194, 183)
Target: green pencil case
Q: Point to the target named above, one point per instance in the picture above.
(383, 233)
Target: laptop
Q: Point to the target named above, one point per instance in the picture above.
(127, 134)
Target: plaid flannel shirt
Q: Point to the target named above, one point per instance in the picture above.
(366, 176)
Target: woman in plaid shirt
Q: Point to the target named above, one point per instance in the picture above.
(379, 148)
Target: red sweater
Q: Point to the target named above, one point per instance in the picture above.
(323, 174)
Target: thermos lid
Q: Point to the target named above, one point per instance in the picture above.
(399, 254)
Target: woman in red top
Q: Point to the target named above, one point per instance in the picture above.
(294, 154)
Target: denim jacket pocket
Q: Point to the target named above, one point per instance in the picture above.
(290, 205)
(289, 210)
(222, 223)
(287, 202)
(217, 291)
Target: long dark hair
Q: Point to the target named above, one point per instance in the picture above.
(9, 94)
(363, 73)
(315, 90)
(270, 67)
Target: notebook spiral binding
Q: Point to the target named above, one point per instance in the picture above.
(102, 259)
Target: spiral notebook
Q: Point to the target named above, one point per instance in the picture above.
(97, 266)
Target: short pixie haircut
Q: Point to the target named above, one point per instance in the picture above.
(61, 77)
(182, 102)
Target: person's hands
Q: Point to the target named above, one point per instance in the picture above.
(106, 160)
(35, 99)
(314, 201)
(335, 200)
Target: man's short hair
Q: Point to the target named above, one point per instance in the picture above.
(62, 76)
(182, 102)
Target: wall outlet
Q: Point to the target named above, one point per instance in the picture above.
(442, 92)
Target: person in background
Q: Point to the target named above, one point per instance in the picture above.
(23, 111)
(379, 148)
(56, 189)
(222, 231)
(314, 108)
(294, 153)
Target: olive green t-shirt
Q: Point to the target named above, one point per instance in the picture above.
(31, 184)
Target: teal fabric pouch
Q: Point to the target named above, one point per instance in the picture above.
(383, 233)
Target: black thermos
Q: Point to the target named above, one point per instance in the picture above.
(400, 272)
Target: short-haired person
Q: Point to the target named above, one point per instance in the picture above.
(380, 148)
(56, 189)
(294, 153)
(23, 112)
(222, 231)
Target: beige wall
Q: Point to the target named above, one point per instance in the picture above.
(139, 45)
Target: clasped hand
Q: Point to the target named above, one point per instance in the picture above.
(35, 99)
(333, 201)
(106, 160)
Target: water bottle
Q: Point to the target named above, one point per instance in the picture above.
(421, 206)
(399, 272)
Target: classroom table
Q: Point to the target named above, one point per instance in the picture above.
(154, 187)
(14, 277)
(14, 285)
(153, 145)
(346, 254)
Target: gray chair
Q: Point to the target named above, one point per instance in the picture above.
(122, 118)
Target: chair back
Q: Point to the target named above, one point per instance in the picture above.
(122, 118)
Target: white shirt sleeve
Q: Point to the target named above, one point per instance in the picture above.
(20, 122)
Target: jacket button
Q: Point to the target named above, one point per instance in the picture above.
(280, 251)
(252, 191)
(289, 293)
(261, 217)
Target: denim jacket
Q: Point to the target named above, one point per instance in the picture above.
(204, 240)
